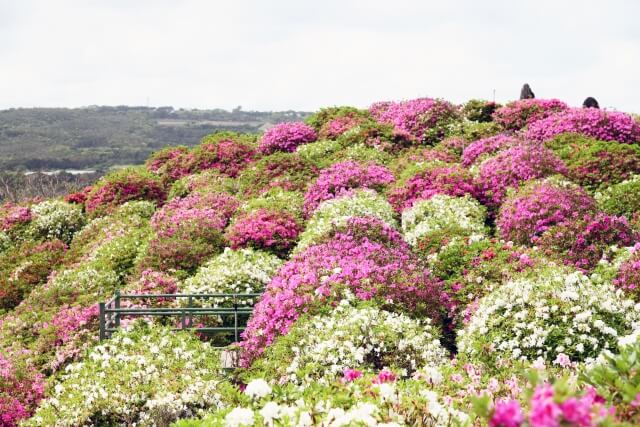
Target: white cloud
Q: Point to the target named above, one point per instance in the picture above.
(303, 55)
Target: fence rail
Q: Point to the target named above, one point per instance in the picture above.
(234, 311)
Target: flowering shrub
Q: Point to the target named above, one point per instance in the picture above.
(513, 166)
(431, 179)
(339, 125)
(188, 230)
(147, 362)
(234, 271)
(277, 199)
(424, 118)
(55, 219)
(21, 388)
(335, 212)
(546, 315)
(455, 215)
(487, 146)
(321, 273)
(323, 117)
(207, 181)
(14, 219)
(171, 163)
(267, 229)
(226, 152)
(538, 206)
(518, 114)
(25, 267)
(627, 277)
(600, 124)
(380, 136)
(288, 171)
(413, 155)
(342, 177)
(319, 153)
(622, 198)
(286, 137)
(479, 110)
(582, 242)
(79, 197)
(374, 400)
(592, 163)
(362, 154)
(122, 186)
(324, 347)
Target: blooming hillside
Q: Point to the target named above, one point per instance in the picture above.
(419, 263)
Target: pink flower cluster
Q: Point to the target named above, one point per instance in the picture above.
(212, 210)
(70, 319)
(546, 411)
(339, 178)
(12, 215)
(518, 114)
(172, 163)
(226, 155)
(485, 146)
(286, 137)
(367, 268)
(264, 229)
(599, 124)
(339, 125)
(628, 276)
(582, 242)
(536, 208)
(451, 180)
(123, 188)
(517, 164)
(418, 117)
(20, 391)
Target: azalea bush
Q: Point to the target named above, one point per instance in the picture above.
(479, 110)
(122, 186)
(21, 389)
(173, 375)
(622, 198)
(485, 147)
(336, 212)
(582, 242)
(343, 177)
(453, 215)
(226, 152)
(286, 137)
(600, 124)
(267, 229)
(383, 137)
(540, 205)
(627, 276)
(322, 118)
(171, 163)
(552, 314)
(207, 181)
(288, 171)
(242, 271)
(188, 230)
(56, 220)
(322, 272)
(518, 114)
(329, 346)
(515, 165)
(279, 200)
(592, 163)
(319, 153)
(429, 179)
(425, 119)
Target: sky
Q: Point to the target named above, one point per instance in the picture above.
(303, 55)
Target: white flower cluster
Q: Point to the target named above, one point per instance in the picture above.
(146, 377)
(234, 271)
(363, 338)
(336, 212)
(554, 312)
(55, 219)
(464, 215)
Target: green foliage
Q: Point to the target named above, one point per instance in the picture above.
(621, 199)
(208, 181)
(277, 199)
(289, 171)
(325, 115)
(320, 152)
(479, 110)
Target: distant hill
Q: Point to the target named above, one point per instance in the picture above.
(99, 137)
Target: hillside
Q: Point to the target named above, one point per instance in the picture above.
(100, 137)
(414, 263)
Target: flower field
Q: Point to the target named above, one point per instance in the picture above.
(420, 263)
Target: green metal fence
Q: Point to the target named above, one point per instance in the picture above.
(234, 311)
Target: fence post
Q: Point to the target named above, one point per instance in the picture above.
(190, 323)
(103, 332)
(235, 317)
(117, 307)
